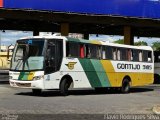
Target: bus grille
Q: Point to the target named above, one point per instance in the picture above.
(23, 84)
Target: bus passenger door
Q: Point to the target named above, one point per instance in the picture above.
(53, 59)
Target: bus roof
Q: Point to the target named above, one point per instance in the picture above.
(98, 42)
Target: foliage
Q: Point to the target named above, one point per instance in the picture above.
(156, 46)
(120, 41)
(140, 43)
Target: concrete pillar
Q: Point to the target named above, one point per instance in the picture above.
(128, 36)
(65, 29)
(86, 36)
(35, 33)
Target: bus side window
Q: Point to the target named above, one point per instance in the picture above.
(140, 56)
(149, 56)
(135, 55)
(118, 54)
(109, 53)
(72, 49)
(103, 52)
(82, 54)
(114, 53)
(145, 56)
(99, 52)
(123, 54)
(67, 49)
(129, 55)
(87, 51)
(93, 51)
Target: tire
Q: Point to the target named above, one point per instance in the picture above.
(125, 86)
(64, 86)
(36, 91)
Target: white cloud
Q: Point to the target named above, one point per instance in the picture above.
(105, 37)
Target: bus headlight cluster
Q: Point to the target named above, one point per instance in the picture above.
(38, 77)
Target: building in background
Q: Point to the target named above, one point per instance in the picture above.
(5, 56)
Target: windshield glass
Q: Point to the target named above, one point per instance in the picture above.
(28, 55)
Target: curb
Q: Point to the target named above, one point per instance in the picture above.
(156, 110)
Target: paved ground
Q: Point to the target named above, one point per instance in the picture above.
(141, 100)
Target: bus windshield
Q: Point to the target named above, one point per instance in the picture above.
(28, 55)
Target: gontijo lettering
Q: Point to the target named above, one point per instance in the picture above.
(128, 66)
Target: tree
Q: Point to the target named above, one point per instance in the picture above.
(156, 46)
(140, 43)
(120, 41)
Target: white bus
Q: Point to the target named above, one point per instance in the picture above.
(57, 62)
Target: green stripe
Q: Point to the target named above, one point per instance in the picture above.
(101, 73)
(78, 40)
(23, 76)
(90, 72)
(95, 72)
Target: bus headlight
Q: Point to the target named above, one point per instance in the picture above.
(38, 77)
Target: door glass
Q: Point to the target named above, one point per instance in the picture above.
(54, 54)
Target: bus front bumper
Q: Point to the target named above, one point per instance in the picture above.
(37, 84)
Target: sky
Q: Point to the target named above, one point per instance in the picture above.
(9, 37)
(112, 38)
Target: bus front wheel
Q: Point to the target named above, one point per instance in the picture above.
(125, 86)
(64, 86)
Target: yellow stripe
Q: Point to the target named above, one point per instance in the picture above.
(110, 72)
(137, 79)
(95, 42)
(31, 75)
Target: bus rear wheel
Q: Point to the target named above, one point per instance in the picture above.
(64, 86)
(125, 86)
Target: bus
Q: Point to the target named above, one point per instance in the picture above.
(157, 67)
(64, 63)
